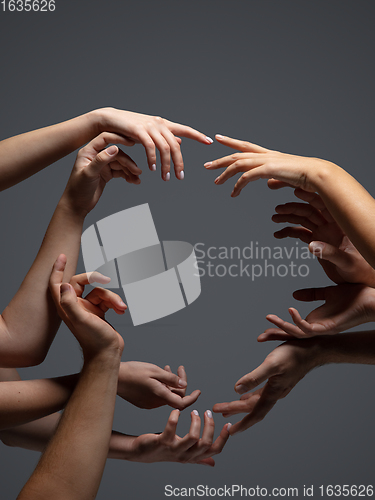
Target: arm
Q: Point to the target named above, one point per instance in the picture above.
(24, 155)
(348, 202)
(285, 366)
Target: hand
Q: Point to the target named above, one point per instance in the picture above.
(85, 317)
(94, 167)
(168, 447)
(283, 368)
(262, 163)
(338, 256)
(346, 306)
(151, 132)
(148, 386)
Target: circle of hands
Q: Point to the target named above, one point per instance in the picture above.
(350, 302)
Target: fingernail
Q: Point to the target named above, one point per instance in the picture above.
(208, 164)
(316, 247)
(217, 180)
(182, 383)
(167, 176)
(122, 304)
(241, 389)
(229, 425)
(208, 139)
(196, 413)
(64, 287)
(112, 150)
(218, 136)
(209, 413)
(153, 167)
(181, 175)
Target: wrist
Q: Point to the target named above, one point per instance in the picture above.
(102, 119)
(322, 173)
(69, 209)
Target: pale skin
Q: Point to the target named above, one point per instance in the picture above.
(350, 205)
(285, 366)
(25, 342)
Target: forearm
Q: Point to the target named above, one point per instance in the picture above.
(23, 401)
(24, 155)
(30, 321)
(73, 462)
(356, 348)
(350, 204)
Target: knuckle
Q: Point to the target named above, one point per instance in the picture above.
(159, 119)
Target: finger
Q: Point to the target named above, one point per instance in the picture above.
(330, 253)
(221, 440)
(164, 151)
(190, 399)
(169, 432)
(225, 161)
(310, 294)
(101, 142)
(56, 278)
(193, 436)
(284, 325)
(303, 210)
(149, 145)
(274, 334)
(102, 159)
(240, 145)
(207, 461)
(199, 450)
(315, 200)
(123, 161)
(264, 405)
(69, 303)
(309, 329)
(294, 219)
(79, 281)
(170, 379)
(241, 165)
(188, 132)
(251, 176)
(235, 407)
(299, 233)
(167, 368)
(255, 378)
(182, 374)
(107, 298)
(175, 152)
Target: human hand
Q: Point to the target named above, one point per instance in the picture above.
(260, 163)
(337, 255)
(152, 132)
(94, 167)
(85, 316)
(147, 386)
(283, 368)
(346, 306)
(168, 447)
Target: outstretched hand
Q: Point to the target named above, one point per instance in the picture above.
(148, 386)
(338, 256)
(283, 368)
(168, 447)
(346, 305)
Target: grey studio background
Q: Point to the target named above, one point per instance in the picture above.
(295, 76)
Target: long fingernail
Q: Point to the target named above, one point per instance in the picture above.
(208, 164)
(208, 139)
(241, 389)
(196, 413)
(181, 175)
(112, 150)
(218, 136)
(209, 413)
(182, 383)
(167, 176)
(153, 167)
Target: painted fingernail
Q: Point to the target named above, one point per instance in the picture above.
(112, 150)
(209, 413)
(182, 383)
(218, 136)
(153, 167)
(229, 425)
(241, 389)
(196, 413)
(181, 175)
(167, 176)
(208, 164)
(208, 139)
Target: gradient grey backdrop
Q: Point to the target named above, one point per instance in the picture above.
(291, 75)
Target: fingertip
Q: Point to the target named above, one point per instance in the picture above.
(241, 388)
(112, 150)
(219, 137)
(64, 287)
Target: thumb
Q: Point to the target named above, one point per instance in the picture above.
(101, 160)
(69, 303)
(171, 379)
(329, 252)
(254, 378)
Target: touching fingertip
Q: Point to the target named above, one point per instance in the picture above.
(182, 383)
(112, 150)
